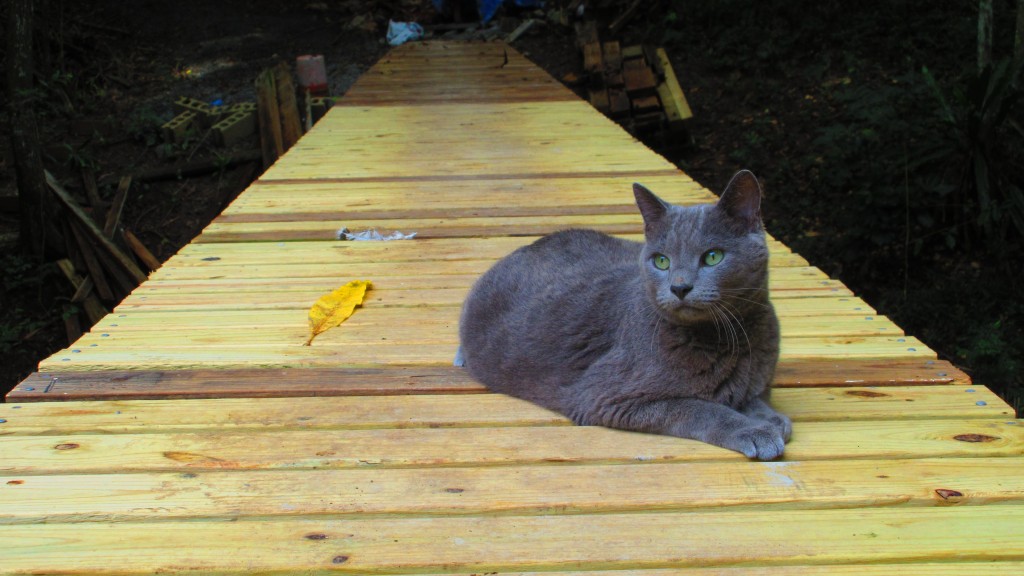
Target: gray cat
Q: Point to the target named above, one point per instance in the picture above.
(673, 336)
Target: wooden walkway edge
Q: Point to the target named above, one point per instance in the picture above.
(190, 430)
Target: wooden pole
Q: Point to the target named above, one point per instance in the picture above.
(287, 107)
(269, 117)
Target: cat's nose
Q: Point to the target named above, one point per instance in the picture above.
(681, 290)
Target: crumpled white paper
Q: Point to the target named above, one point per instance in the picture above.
(372, 235)
(401, 32)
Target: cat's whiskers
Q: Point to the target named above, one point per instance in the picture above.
(719, 315)
(750, 351)
(717, 321)
(729, 291)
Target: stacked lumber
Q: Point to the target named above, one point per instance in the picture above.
(634, 85)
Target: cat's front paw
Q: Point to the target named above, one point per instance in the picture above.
(762, 442)
(783, 424)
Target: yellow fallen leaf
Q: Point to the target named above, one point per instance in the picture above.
(332, 309)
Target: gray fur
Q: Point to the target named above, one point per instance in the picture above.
(585, 324)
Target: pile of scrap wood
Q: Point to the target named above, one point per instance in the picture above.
(105, 261)
(634, 85)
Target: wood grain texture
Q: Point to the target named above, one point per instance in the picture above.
(449, 410)
(191, 432)
(818, 375)
(482, 544)
(518, 490)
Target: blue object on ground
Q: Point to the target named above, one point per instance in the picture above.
(488, 8)
(401, 32)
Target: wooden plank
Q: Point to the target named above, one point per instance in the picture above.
(782, 282)
(198, 269)
(94, 310)
(506, 140)
(291, 127)
(263, 382)
(174, 354)
(593, 60)
(946, 568)
(638, 77)
(114, 214)
(274, 449)
(269, 114)
(483, 544)
(645, 104)
(612, 59)
(423, 71)
(416, 324)
(676, 107)
(95, 234)
(501, 195)
(599, 99)
(521, 490)
(805, 307)
(141, 251)
(441, 249)
(618, 102)
(448, 407)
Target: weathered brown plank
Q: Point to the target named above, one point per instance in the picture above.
(268, 382)
(410, 407)
(258, 382)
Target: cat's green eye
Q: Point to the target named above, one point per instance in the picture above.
(661, 262)
(712, 257)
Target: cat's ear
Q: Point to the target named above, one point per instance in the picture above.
(741, 200)
(652, 208)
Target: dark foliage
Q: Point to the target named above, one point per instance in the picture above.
(890, 160)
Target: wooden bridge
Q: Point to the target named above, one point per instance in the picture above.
(191, 431)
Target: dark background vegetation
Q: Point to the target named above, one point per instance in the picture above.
(889, 158)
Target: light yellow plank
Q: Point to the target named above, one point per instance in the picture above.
(945, 568)
(445, 447)
(424, 228)
(516, 139)
(98, 351)
(782, 282)
(523, 490)
(343, 269)
(458, 411)
(429, 289)
(522, 543)
(331, 252)
(508, 196)
(400, 326)
(139, 314)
